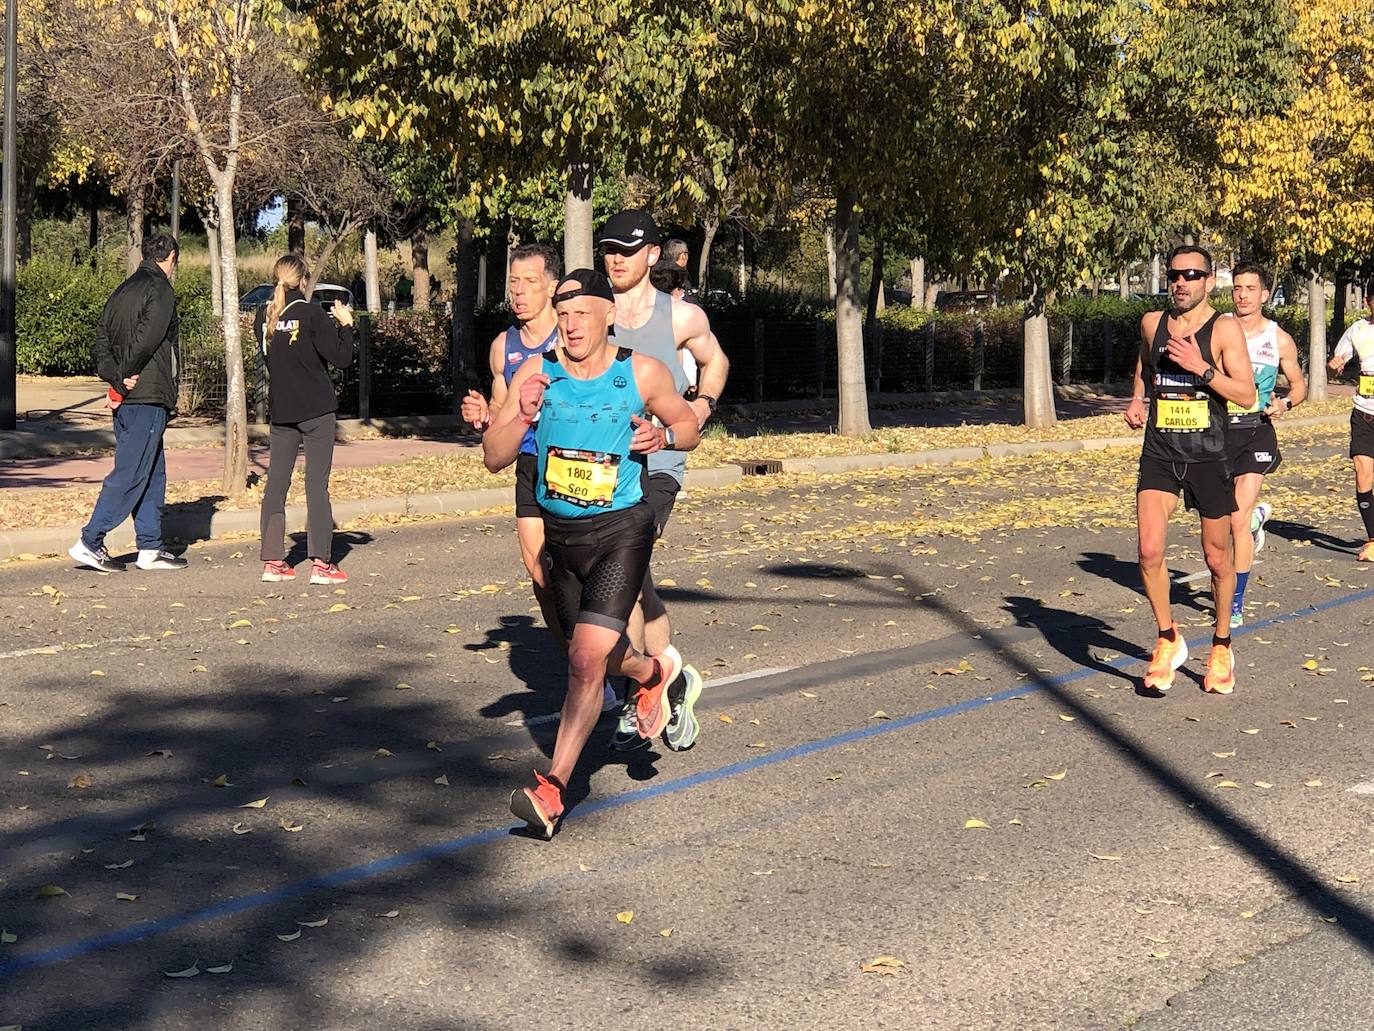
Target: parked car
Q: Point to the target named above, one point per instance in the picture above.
(958, 301)
(325, 295)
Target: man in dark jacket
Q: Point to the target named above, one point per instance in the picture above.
(135, 351)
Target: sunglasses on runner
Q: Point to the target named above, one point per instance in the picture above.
(1190, 274)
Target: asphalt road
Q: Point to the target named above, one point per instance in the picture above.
(1169, 862)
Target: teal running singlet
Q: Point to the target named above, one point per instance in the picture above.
(586, 467)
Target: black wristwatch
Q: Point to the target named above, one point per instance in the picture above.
(1208, 376)
(710, 401)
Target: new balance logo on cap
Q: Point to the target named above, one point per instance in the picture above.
(630, 229)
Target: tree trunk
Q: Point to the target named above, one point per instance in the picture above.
(419, 261)
(1125, 286)
(464, 329)
(1342, 295)
(577, 217)
(1316, 338)
(742, 280)
(709, 230)
(174, 205)
(1154, 273)
(216, 287)
(932, 294)
(93, 238)
(295, 226)
(849, 336)
(236, 397)
(133, 217)
(371, 275)
(1037, 383)
(875, 276)
(918, 283)
(28, 185)
(481, 280)
(830, 260)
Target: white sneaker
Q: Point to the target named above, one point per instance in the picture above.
(1258, 518)
(96, 558)
(158, 559)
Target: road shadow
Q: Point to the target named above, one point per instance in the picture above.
(1086, 641)
(1127, 574)
(538, 662)
(1298, 532)
(218, 883)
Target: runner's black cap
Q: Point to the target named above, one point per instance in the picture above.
(590, 283)
(631, 229)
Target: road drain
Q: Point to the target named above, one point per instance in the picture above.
(760, 466)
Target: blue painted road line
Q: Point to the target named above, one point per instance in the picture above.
(339, 878)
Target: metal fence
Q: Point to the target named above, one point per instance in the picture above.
(403, 364)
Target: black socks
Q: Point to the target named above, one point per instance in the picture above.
(1365, 501)
(1169, 635)
(1225, 642)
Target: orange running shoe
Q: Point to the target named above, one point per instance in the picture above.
(1221, 670)
(1168, 656)
(540, 807)
(651, 707)
(1366, 553)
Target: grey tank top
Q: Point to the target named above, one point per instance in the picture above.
(657, 340)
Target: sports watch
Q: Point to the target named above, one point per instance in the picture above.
(1208, 376)
(669, 439)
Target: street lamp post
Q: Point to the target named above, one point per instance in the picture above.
(8, 264)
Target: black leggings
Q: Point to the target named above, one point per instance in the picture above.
(597, 565)
(318, 437)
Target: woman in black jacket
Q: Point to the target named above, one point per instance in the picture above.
(297, 339)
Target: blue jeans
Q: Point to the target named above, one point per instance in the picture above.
(138, 482)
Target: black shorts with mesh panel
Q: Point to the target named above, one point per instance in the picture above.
(526, 473)
(596, 565)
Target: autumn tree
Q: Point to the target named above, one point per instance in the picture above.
(235, 92)
(1302, 178)
(507, 92)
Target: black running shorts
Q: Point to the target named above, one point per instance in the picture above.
(1253, 449)
(1207, 487)
(661, 494)
(526, 473)
(597, 565)
(1361, 434)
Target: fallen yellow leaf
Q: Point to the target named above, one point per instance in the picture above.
(625, 916)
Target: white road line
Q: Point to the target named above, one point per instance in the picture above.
(53, 649)
(1365, 787)
(734, 678)
(1202, 575)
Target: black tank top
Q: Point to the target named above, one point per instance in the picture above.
(1187, 422)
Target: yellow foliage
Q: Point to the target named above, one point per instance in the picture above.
(1303, 174)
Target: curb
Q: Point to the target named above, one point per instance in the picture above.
(190, 527)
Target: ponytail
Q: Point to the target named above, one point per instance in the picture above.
(288, 273)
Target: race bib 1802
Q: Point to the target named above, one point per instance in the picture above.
(584, 478)
(1182, 416)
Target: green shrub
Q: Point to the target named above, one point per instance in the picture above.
(58, 306)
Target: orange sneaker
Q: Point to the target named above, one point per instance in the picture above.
(651, 707)
(1168, 656)
(1221, 670)
(540, 807)
(1366, 553)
